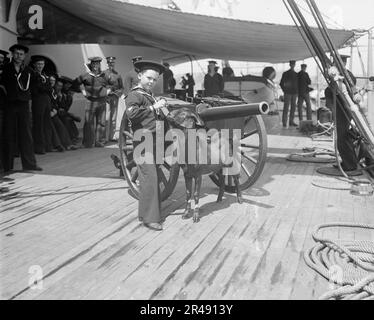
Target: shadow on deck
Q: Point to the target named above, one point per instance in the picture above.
(75, 226)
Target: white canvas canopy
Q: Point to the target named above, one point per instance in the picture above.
(200, 36)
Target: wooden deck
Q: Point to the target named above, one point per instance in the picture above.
(78, 223)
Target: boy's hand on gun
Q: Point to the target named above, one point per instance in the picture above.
(160, 104)
(161, 107)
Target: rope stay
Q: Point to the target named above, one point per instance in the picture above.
(348, 265)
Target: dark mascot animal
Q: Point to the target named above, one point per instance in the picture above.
(184, 119)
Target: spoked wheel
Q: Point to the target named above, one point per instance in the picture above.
(168, 173)
(254, 152)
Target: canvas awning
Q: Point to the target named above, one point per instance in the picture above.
(197, 35)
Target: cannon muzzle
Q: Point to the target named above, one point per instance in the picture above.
(233, 111)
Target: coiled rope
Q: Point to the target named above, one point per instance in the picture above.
(347, 264)
(312, 155)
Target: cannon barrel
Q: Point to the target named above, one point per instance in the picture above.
(234, 111)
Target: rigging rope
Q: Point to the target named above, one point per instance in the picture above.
(348, 264)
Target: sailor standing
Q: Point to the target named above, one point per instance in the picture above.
(41, 108)
(94, 87)
(115, 84)
(213, 81)
(142, 109)
(17, 79)
(289, 85)
(303, 93)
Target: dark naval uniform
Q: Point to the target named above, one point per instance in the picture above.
(289, 85)
(213, 85)
(131, 80)
(303, 89)
(138, 103)
(64, 103)
(41, 114)
(345, 141)
(60, 131)
(115, 83)
(18, 115)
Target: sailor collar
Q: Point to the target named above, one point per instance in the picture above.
(96, 75)
(143, 92)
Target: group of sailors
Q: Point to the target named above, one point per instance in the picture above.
(35, 115)
(35, 106)
(296, 89)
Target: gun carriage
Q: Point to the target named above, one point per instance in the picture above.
(218, 113)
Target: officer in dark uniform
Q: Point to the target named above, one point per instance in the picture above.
(169, 81)
(115, 83)
(289, 85)
(17, 79)
(41, 108)
(142, 109)
(96, 90)
(213, 81)
(303, 93)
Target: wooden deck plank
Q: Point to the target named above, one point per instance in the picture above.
(90, 247)
(53, 225)
(192, 281)
(361, 209)
(62, 193)
(105, 246)
(307, 283)
(271, 269)
(279, 285)
(262, 240)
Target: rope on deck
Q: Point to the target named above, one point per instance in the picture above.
(346, 264)
(312, 155)
(327, 130)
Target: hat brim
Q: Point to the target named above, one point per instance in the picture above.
(4, 53)
(19, 47)
(149, 65)
(95, 59)
(37, 58)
